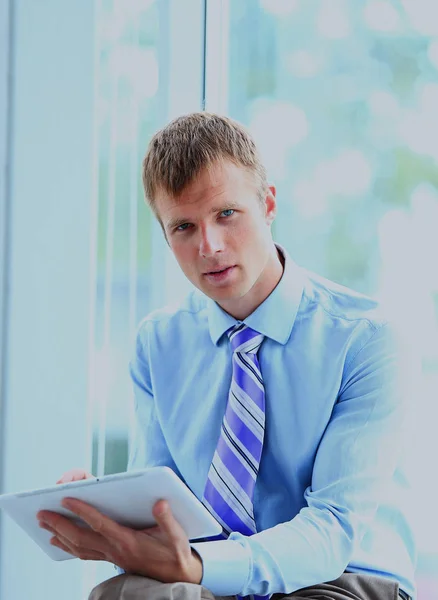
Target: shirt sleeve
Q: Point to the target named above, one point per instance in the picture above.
(354, 465)
(148, 447)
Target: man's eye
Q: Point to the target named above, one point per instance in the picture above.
(228, 212)
(182, 227)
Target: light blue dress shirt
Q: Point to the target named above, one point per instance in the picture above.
(331, 493)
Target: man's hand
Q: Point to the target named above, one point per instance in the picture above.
(161, 552)
(74, 475)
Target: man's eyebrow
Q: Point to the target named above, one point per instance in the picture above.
(174, 223)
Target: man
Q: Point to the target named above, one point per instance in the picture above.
(273, 393)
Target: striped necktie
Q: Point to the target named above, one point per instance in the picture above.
(231, 479)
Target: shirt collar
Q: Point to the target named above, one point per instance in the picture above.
(275, 316)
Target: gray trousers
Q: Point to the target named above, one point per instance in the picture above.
(349, 586)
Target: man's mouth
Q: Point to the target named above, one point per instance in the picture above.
(219, 272)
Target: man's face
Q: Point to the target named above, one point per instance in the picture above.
(220, 234)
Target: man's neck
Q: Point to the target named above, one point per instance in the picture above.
(263, 287)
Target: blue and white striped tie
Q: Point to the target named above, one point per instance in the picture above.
(231, 479)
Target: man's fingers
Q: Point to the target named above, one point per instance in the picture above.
(54, 541)
(83, 554)
(74, 475)
(70, 533)
(98, 522)
(170, 526)
(102, 540)
(77, 544)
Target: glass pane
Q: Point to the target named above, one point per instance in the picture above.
(129, 97)
(147, 72)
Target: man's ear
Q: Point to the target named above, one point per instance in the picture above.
(270, 204)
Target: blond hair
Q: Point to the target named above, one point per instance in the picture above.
(191, 143)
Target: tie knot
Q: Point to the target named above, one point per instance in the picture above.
(245, 339)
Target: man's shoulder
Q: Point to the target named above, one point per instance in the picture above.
(363, 325)
(189, 311)
(340, 302)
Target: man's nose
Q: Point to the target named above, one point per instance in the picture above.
(211, 241)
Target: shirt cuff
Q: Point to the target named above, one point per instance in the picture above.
(226, 566)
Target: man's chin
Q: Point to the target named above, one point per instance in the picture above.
(221, 295)
(222, 291)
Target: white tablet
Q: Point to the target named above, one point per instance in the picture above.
(127, 498)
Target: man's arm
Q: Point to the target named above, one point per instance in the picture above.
(354, 464)
(148, 446)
